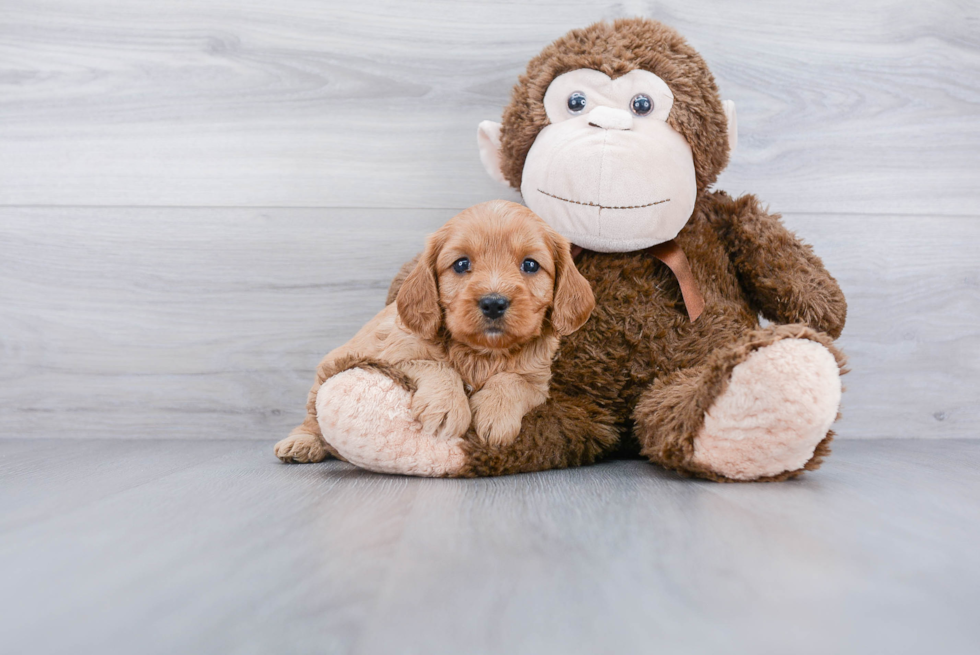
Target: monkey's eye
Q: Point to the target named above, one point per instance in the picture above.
(530, 266)
(461, 265)
(576, 102)
(641, 104)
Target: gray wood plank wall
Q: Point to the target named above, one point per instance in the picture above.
(197, 200)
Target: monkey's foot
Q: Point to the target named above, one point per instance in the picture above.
(779, 404)
(367, 417)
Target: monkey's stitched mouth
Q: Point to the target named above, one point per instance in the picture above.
(592, 204)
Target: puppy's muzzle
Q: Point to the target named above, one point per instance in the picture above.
(493, 305)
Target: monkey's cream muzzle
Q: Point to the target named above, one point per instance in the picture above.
(605, 177)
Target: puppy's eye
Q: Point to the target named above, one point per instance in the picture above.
(530, 266)
(461, 265)
(576, 102)
(641, 104)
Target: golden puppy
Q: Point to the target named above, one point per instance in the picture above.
(473, 329)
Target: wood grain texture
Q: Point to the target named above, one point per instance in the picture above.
(854, 107)
(209, 323)
(195, 323)
(178, 547)
(913, 321)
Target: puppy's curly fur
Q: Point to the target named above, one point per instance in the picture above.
(462, 363)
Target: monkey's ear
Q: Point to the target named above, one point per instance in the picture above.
(488, 140)
(729, 106)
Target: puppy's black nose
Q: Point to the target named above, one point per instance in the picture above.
(493, 305)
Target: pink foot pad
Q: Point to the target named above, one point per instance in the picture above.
(367, 417)
(778, 406)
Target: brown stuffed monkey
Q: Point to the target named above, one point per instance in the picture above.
(614, 136)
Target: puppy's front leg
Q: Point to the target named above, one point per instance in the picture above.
(500, 406)
(440, 402)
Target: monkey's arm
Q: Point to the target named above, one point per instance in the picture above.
(784, 280)
(564, 431)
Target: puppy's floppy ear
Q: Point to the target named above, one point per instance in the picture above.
(574, 300)
(418, 298)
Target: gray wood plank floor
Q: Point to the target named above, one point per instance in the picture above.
(125, 546)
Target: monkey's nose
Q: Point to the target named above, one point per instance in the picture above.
(611, 119)
(493, 305)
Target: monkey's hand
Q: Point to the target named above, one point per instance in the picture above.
(782, 277)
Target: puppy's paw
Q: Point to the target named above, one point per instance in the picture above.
(301, 448)
(443, 413)
(494, 421)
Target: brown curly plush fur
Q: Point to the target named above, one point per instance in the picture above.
(639, 376)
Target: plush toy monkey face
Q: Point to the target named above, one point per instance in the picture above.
(612, 134)
(608, 172)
